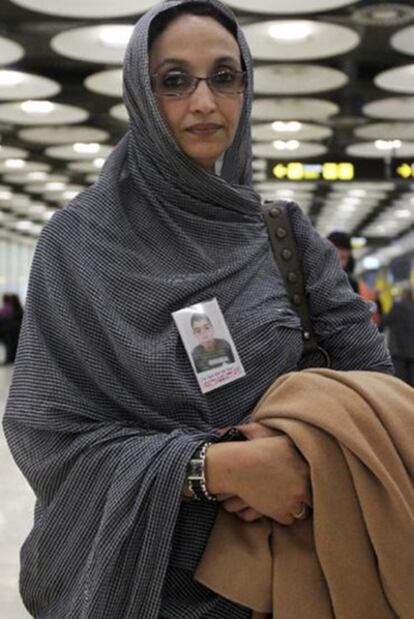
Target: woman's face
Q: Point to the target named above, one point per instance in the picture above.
(203, 124)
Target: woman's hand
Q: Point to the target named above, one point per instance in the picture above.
(267, 475)
(234, 504)
(273, 478)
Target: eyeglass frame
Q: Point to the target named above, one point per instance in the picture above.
(196, 81)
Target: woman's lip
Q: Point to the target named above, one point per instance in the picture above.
(204, 129)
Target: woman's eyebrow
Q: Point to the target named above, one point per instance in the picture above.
(224, 59)
(174, 61)
(186, 64)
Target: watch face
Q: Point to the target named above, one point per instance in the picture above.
(195, 469)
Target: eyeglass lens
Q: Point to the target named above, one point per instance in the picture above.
(178, 83)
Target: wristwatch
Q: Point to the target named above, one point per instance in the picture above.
(196, 477)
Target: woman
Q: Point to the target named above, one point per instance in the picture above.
(105, 412)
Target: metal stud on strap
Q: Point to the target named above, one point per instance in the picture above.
(274, 212)
(281, 233)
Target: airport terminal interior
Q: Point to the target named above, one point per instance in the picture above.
(332, 129)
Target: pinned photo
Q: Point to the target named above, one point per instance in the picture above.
(209, 345)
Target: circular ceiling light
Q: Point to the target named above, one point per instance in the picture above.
(399, 108)
(52, 182)
(68, 192)
(281, 7)
(402, 41)
(119, 112)
(299, 40)
(285, 130)
(63, 135)
(104, 44)
(87, 167)
(293, 109)
(6, 167)
(79, 151)
(400, 79)
(23, 178)
(302, 150)
(384, 14)
(91, 178)
(105, 83)
(10, 51)
(90, 9)
(386, 131)
(8, 152)
(33, 113)
(373, 150)
(296, 79)
(18, 85)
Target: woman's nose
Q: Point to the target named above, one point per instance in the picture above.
(203, 99)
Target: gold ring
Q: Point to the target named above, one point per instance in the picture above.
(303, 513)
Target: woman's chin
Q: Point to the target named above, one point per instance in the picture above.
(205, 158)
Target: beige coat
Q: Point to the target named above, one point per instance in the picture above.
(354, 558)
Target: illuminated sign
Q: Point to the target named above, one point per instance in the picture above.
(329, 171)
(406, 170)
(342, 172)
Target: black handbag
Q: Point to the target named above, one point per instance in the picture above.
(287, 259)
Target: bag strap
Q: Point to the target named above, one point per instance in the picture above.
(287, 259)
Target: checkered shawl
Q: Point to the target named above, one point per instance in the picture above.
(104, 410)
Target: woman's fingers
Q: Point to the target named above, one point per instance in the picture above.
(234, 504)
(249, 515)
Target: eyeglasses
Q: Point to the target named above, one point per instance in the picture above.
(179, 84)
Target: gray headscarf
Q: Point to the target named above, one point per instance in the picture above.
(104, 411)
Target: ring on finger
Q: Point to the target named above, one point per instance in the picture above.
(303, 513)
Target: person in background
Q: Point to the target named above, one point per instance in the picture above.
(400, 325)
(342, 242)
(11, 315)
(6, 310)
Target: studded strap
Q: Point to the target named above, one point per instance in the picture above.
(287, 259)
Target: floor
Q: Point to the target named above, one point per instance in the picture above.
(16, 509)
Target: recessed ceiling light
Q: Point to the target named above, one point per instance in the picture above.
(99, 162)
(6, 195)
(37, 107)
(115, 36)
(36, 176)
(357, 193)
(81, 147)
(290, 126)
(384, 14)
(388, 144)
(403, 213)
(11, 78)
(288, 145)
(23, 225)
(291, 31)
(15, 164)
(52, 186)
(69, 195)
(369, 262)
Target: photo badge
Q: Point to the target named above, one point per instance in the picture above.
(209, 345)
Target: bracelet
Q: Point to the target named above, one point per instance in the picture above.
(196, 478)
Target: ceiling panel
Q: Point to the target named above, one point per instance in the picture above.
(321, 68)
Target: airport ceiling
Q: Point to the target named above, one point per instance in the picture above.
(334, 84)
